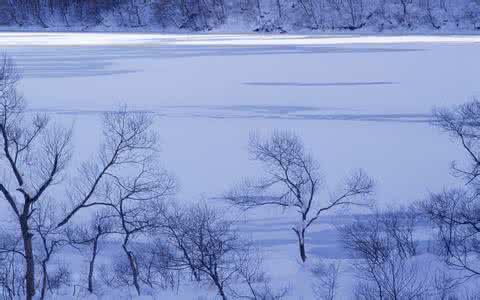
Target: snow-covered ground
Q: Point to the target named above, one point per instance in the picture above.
(357, 101)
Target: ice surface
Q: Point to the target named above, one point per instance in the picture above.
(357, 101)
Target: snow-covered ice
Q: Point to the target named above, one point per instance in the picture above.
(357, 101)
(358, 104)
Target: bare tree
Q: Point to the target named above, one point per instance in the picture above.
(462, 123)
(129, 143)
(156, 263)
(34, 154)
(134, 203)
(454, 212)
(309, 9)
(207, 245)
(384, 262)
(51, 242)
(455, 216)
(293, 180)
(405, 4)
(91, 235)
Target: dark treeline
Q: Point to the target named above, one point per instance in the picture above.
(259, 15)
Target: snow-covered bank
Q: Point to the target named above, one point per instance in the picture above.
(158, 39)
(245, 16)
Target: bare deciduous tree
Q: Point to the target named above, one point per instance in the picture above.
(51, 241)
(293, 180)
(462, 123)
(134, 202)
(455, 212)
(91, 235)
(35, 153)
(128, 143)
(455, 216)
(210, 248)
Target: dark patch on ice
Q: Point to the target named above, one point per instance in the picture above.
(402, 118)
(86, 112)
(320, 84)
(390, 118)
(278, 109)
(287, 112)
(71, 74)
(75, 61)
(267, 112)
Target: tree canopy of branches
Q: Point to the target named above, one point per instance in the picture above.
(292, 180)
(455, 212)
(34, 156)
(123, 176)
(212, 250)
(134, 203)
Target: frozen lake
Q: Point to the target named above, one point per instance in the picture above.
(357, 101)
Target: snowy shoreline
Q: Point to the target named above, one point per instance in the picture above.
(220, 39)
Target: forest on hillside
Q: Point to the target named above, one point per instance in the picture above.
(257, 15)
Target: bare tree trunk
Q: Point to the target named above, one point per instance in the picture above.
(37, 10)
(279, 8)
(27, 237)
(133, 266)
(300, 232)
(221, 292)
(301, 245)
(92, 264)
(44, 280)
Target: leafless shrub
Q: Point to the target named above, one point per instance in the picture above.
(60, 277)
(152, 268)
(326, 280)
(253, 281)
(446, 286)
(11, 266)
(384, 262)
(156, 264)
